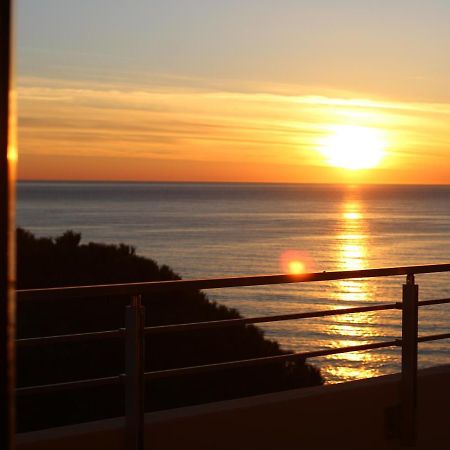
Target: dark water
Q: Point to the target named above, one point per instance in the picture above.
(209, 230)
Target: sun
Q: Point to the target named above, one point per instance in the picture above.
(353, 147)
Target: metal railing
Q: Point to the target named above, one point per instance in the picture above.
(135, 332)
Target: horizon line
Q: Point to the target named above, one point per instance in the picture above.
(99, 181)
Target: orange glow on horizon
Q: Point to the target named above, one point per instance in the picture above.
(77, 130)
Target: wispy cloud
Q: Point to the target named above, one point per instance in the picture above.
(182, 119)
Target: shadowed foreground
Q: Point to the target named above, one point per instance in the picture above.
(342, 416)
(64, 261)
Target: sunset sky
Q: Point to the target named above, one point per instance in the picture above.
(249, 90)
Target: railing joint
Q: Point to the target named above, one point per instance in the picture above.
(410, 279)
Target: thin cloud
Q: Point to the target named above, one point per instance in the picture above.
(180, 120)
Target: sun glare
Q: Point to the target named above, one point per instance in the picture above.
(296, 267)
(353, 147)
(296, 262)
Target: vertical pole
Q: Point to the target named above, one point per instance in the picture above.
(408, 394)
(134, 385)
(8, 156)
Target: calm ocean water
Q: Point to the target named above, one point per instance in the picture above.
(213, 230)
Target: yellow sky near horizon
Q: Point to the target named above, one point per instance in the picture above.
(246, 91)
(184, 131)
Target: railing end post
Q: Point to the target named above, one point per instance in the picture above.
(134, 381)
(408, 388)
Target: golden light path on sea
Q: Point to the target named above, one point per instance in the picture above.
(353, 329)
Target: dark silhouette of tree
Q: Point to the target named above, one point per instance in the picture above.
(64, 261)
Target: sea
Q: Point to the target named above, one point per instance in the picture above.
(204, 230)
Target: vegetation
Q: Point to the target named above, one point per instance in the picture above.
(64, 261)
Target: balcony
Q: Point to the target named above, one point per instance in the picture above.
(384, 412)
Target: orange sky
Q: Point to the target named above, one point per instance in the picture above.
(175, 99)
(75, 130)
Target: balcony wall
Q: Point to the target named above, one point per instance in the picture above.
(349, 415)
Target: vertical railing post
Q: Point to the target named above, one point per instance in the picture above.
(134, 381)
(408, 395)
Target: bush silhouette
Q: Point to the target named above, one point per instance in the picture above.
(64, 261)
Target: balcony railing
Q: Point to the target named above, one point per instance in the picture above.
(135, 332)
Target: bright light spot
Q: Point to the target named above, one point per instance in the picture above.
(296, 262)
(352, 215)
(353, 147)
(296, 267)
(351, 237)
(12, 154)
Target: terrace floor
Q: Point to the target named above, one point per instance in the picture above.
(349, 415)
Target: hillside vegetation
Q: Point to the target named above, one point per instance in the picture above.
(65, 261)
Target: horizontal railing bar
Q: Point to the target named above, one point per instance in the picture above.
(264, 319)
(221, 366)
(42, 389)
(280, 358)
(266, 360)
(438, 301)
(129, 289)
(433, 337)
(71, 337)
(216, 323)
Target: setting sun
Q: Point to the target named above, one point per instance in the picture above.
(353, 147)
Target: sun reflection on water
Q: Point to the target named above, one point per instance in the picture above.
(352, 235)
(352, 329)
